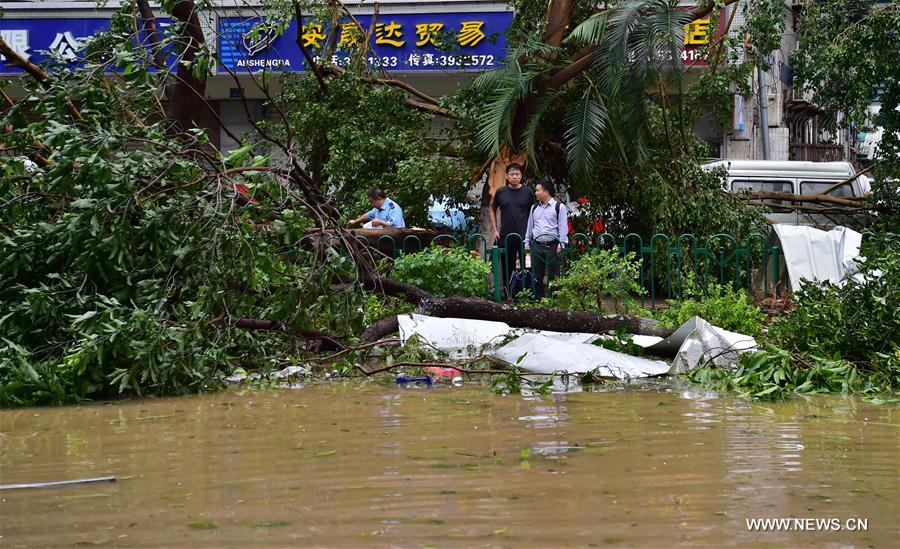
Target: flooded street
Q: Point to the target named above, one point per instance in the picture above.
(374, 465)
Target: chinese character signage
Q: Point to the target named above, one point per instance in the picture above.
(33, 39)
(697, 35)
(39, 40)
(400, 42)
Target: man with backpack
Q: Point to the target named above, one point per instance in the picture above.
(546, 235)
(513, 201)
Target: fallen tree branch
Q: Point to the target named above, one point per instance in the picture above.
(381, 329)
(313, 66)
(846, 210)
(827, 209)
(35, 157)
(816, 198)
(863, 171)
(518, 317)
(187, 94)
(432, 109)
(405, 87)
(360, 347)
(327, 342)
(148, 24)
(430, 105)
(13, 58)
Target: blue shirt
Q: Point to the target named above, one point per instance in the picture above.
(390, 212)
(545, 226)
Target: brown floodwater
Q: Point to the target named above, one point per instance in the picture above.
(657, 464)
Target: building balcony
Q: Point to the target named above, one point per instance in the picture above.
(816, 152)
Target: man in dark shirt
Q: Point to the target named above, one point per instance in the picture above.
(514, 202)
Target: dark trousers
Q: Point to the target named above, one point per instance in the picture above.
(544, 259)
(513, 246)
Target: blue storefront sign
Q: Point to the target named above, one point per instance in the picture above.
(40, 40)
(33, 38)
(399, 42)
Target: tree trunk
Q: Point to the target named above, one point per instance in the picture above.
(556, 21)
(149, 26)
(480, 309)
(496, 179)
(187, 95)
(558, 320)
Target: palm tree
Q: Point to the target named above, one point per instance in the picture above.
(592, 85)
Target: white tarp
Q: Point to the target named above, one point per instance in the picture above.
(547, 352)
(545, 355)
(818, 255)
(567, 337)
(461, 337)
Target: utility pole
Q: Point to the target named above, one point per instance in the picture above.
(763, 110)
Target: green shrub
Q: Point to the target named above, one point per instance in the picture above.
(379, 307)
(859, 320)
(721, 306)
(597, 278)
(444, 272)
(773, 373)
(839, 339)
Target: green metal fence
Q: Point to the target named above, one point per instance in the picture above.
(667, 264)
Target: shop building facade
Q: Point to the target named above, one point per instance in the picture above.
(436, 47)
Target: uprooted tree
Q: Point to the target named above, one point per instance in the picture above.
(137, 259)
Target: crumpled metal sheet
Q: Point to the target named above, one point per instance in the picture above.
(697, 341)
(817, 255)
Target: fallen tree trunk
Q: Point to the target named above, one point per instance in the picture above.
(380, 329)
(809, 198)
(518, 317)
(474, 308)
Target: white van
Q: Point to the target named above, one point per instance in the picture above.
(794, 177)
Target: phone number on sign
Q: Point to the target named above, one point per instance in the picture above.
(692, 55)
(415, 60)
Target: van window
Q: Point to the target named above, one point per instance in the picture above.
(739, 185)
(816, 187)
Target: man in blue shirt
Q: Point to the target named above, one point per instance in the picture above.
(385, 213)
(546, 235)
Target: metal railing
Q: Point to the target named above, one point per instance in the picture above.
(666, 264)
(816, 152)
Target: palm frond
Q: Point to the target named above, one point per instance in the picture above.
(591, 30)
(585, 123)
(621, 26)
(529, 134)
(505, 87)
(666, 25)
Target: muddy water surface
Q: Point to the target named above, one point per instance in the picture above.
(371, 465)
